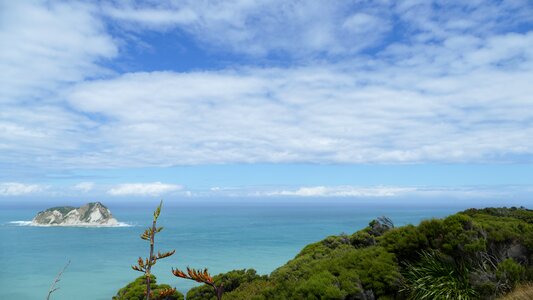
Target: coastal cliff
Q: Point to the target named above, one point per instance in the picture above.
(91, 214)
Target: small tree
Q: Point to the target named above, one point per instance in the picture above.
(145, 266)
(200, 276)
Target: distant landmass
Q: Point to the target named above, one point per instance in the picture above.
(90, 214)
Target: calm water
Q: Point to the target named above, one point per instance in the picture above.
(219, 236)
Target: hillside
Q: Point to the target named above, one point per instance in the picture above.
(474, 254)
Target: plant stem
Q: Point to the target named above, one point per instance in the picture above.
(53, 287)
(150, 259)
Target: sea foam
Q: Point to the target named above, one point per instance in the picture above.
(30, 223)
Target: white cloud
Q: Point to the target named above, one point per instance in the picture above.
(465, 96)
(350, 114)
(344, 191)
(152, 17)
(494, 192)
(84, 186)
(18, 189)
(46, 45)
(143, 189)
(260, 28)
(312, 28)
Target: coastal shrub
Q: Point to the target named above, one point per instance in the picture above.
(463, 256)
(520, 213)
(475, 254)
(367, 236)
(461, 238)
(202, 276)
(316, 250)
(136, 290)
(322, 285)
(253, 290)
(436, 276)
(405, 242)
(346, 273)
(362, 239)
(510, 272)
(379, 226)
(230, 280)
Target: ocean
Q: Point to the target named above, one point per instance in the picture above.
(219, 235)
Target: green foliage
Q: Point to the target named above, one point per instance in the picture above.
(362, 239)
(136, 290)
(145, 265)
(461, 236)
(464, 256)
(230, 280)
(62, 209)
(510, 272)
(475, 254)
(470, 255)
(436, 277)
(343, 274)
(323, 285)
(520, 213)
(405, 242)
(250, 290)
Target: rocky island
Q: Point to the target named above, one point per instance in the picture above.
(90, 214)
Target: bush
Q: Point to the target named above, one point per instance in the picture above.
(510, 272)
(476, 254)
(230, 280)
(456, 257)
(136, 290)
(405, 242)
(437, 277)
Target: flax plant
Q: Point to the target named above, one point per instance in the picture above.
(201, 276)
(145, 265)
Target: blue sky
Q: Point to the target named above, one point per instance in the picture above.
(356, 99)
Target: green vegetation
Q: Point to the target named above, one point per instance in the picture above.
(204, 277)
(136, 290)
(145, 265)
(475, 254)
(230, 281)
(62, 209)
(436, 276)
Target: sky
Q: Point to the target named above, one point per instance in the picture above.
(182, 99)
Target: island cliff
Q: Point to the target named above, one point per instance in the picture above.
(91, 214)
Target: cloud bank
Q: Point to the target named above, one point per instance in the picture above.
(18, 189)
(143, 189)
(84, 186)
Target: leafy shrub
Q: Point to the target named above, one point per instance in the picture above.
(510, 272)
(136, 290)
(346, 273)
(405, 242)
(436, 277)
(476, 254)
(230, 280)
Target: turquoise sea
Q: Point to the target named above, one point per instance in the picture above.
(236, 234)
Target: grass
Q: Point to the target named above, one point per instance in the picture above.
(521, 292)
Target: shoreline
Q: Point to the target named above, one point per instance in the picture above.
(32, 224)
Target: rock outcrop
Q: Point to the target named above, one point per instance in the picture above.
(91, 214)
